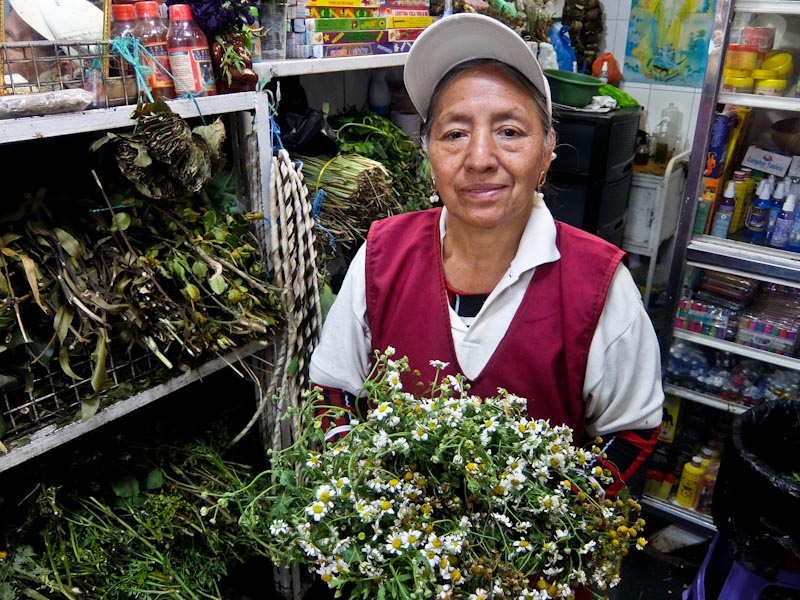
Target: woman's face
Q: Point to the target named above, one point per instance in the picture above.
(487, 148)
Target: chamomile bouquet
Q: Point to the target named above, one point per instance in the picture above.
(440, 495)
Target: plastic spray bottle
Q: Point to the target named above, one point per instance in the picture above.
(758, 216)
(724, 213)
(783, 224)
(794, 234)
(777, 203)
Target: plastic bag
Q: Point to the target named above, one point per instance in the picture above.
(614, 74)
(565, 53)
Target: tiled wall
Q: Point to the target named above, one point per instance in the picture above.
(654, 97)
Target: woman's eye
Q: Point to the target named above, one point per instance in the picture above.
(454, 135)
(509, 133)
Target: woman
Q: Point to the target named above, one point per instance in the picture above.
(491, 283)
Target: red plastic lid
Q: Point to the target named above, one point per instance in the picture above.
(180, 12)
(146, 9)
(123, 12)
(670, 478)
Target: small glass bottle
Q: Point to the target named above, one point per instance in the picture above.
(189, 54)
(123, 23)
(153, 34)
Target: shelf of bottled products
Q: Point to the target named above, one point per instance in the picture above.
(730, 256)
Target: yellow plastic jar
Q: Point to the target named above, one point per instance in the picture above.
(738, 85)
(770, 87)
(731, 72)
(740, 56)
(759, 74)
(781, 62)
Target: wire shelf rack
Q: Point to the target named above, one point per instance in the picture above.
(49, 66)
(44, 396)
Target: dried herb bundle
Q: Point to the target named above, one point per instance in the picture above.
(358, 190)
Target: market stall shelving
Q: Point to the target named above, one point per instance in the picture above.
(729, 256)
(247, 110)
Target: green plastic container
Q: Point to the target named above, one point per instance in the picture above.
(572, 89)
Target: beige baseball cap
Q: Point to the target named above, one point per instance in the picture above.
(61, 19)
(458, 38)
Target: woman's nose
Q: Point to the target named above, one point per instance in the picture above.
(481, 151)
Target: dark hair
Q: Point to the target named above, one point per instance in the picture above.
(512, 72)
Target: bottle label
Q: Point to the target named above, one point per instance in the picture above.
(192, 69)
(780, 237)
(158, 61)
(757, 218)
(721, 222)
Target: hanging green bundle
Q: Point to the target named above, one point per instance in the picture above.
(357, 191)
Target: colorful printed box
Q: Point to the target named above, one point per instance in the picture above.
(400, 22)
(405, 35)
(364, 49)
(406, 4)
(360, 24)
(342, 3)
(390, 11)
(346, 37)
(330, 12)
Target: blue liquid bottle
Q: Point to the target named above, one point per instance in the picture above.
(784, 224)
(721, 221)
(794, 234)
(755, 225)
(775, 208)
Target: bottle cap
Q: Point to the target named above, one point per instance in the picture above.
(730, 189)
(180, 12)
(670, 478)
(146, 9)
(123, 12)
(697, 461)
(780, 190)
(788, 205)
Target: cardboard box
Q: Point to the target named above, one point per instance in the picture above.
(342, 3)
(405, 35)
(331, 12)
(400, 22)
(669, 422)
(416, 11)
(769, 161)
(362, 49)
(359, 24)
(347, 37)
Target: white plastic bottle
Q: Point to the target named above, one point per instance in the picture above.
(380, 97)
(604, 72)
(777, 203)
(783, 224)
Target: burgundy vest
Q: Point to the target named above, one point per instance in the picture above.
(542, 356)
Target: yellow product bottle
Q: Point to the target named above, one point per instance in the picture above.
(742, 195)
(689, 486)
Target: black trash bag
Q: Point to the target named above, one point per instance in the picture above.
(307, 133)
(756, 503)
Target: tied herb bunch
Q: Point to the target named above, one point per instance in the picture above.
(446, 496)
(223, 18)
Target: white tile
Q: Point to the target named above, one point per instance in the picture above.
(608, 41)
(611, 9)
(660, 98)
(620, 41)
(624, 13)
(640, 92)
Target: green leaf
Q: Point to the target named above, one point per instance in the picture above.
(218, 284)
(154, 480)
(192, 292)
(89, 406)
(209, 220)
(125, 487)
(70, 244)
(122, 221)
(99, 356)
(199, 269)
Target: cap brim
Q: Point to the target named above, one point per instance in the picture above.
(458, 38)
(30, 12)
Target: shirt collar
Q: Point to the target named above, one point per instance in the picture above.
(538, 243)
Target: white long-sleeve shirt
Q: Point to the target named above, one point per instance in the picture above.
(622, 386)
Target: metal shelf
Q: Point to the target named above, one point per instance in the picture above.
(706, 399)
(741, 258)
(104, 119)
(734, 348)
(785, 7)
(53, 436)
(313, 66)
(757, 101)
(677, 513)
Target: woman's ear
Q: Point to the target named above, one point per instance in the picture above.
(548, 151)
